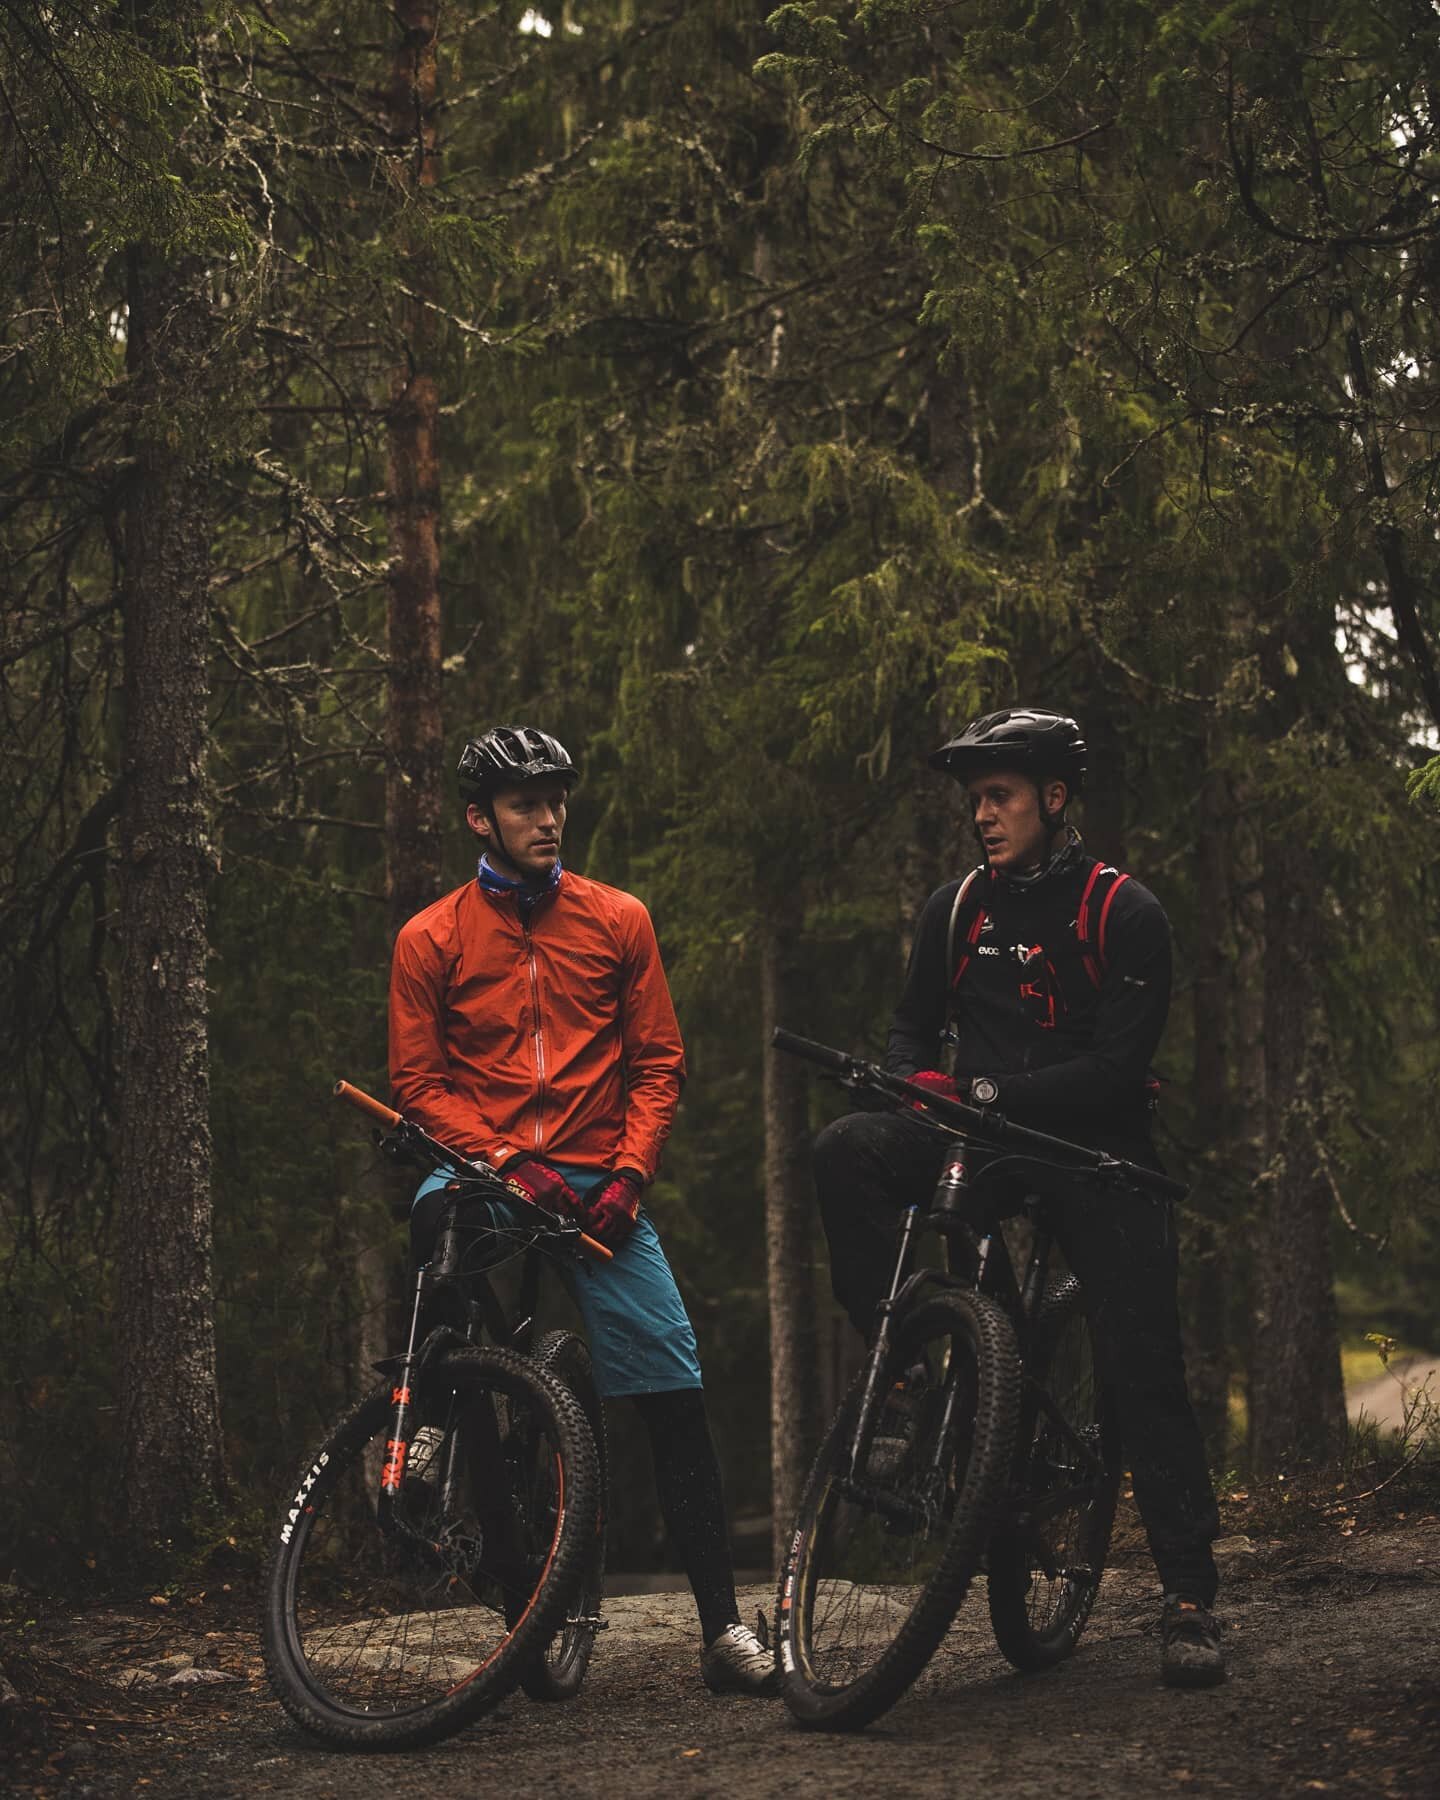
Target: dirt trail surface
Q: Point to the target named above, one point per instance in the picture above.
(1334, 1688)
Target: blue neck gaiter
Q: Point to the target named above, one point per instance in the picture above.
(527, 894)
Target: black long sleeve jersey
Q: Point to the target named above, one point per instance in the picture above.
(1068, 1057)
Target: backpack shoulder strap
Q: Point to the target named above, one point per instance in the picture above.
(972, 930)
(1094, 916)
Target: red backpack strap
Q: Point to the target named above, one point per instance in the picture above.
(972, 933)
(1115, 887)
(1092, 944)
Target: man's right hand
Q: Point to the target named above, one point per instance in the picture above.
(535, 1180)
(938, 1082)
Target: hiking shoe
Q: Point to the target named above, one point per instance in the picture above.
(737, 1663)
(1190, 1652)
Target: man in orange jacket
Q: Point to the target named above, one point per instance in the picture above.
(531, 1025)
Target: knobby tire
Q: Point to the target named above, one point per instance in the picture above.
(1044, 1576)
(877, 1567)
(559, 1672)
(389, 1639)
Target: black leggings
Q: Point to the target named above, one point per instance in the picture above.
(692, 1500)
(1122, 1249)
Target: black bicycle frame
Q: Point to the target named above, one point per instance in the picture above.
(477, 1309)
(952, 1210)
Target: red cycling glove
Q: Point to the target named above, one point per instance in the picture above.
(547, 1187)
(938, 1082)
(613, 1207)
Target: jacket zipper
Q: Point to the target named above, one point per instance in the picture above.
(539, 1039)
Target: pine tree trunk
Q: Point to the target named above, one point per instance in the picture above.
(789, 1241)
(1106, 803)
(171, 1465)
(1247, 1006)
(1204, 1264)
(415, 787)
(415, 790)
(1297, 1398)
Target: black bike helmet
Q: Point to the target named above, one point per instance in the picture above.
(508, 755)
(1040, 744)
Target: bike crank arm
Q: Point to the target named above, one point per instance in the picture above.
(891, 1508)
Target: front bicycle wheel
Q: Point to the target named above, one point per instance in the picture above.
(558, 1672)
(1046, 1563)
(882, 1554)
(391, 1626)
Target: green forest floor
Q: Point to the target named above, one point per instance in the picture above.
(1333, 1630)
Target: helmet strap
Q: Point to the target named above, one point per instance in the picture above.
(498, 840)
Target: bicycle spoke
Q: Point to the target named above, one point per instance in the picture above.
(881, 1558)
(390, 1623)
(1045, 1569)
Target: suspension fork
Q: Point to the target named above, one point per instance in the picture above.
(880, 1350)
(978, 1258)
(402, 1403)
(402, 1394)
(987, 1272)
(948, 1216)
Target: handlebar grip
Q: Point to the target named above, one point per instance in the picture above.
(593, 1247)
(366, 1103)
(809, 1049)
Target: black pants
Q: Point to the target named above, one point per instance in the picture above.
(1121, 1248)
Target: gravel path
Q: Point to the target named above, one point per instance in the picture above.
(1408, 1382)
(1335, 1652)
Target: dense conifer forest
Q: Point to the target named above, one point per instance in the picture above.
(748, 401)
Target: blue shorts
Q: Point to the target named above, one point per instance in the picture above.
(640, 1336)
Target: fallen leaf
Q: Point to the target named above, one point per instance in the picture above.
(689, 1752)
(158, 1600)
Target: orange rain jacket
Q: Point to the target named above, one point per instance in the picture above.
(554, 1038)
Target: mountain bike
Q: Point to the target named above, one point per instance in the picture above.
(445, 1542)
(976, 1429)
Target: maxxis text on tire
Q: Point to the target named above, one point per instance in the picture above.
(387, 1639)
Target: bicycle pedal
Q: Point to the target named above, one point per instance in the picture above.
(588, 1621)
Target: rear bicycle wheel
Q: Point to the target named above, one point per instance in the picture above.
(881, 1557)
(558, 1672)
(391, 1628)
(1047, 1560)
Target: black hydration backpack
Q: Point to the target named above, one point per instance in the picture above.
(967, 921)
(968, 914)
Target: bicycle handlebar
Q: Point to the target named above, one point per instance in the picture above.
(367, 1103)
(981, 1122)
(440, 1153)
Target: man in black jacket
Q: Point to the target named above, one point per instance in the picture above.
(1050, 973)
